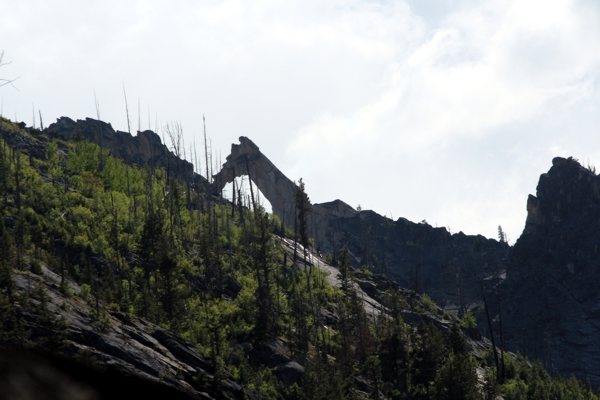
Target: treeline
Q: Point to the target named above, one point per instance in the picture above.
(141, 243)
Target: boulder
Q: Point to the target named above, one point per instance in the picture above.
(289, 373)
(270, 354)
(232, 287)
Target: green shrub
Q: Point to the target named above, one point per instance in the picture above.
(85, 291)
(468, 321)
(35, 267)
(429, 304)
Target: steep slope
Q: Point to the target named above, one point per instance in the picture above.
(551, 297)
(116, 346)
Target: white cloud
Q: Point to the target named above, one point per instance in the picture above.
(440, 111)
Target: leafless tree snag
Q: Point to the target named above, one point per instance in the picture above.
(4, 82)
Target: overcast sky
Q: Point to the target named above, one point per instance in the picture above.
(425, 109)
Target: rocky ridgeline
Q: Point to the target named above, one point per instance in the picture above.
(551, 299)
(146, 148)
(448, 267)
(545, 287)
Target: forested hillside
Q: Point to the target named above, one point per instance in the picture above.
(129, 250)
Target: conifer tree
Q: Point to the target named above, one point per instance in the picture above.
(457, 379)
(303, 207)
(345, 271)
(427, 353)
(10, 329)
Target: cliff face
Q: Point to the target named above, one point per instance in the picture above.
(551, 293)
(448, 267)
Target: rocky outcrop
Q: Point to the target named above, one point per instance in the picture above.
(551, 299)
(145, 148)
(116, 346)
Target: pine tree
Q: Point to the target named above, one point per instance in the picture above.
(10, 329)
(303, 207)
(345, 271)
(427, 353)
(457, 379)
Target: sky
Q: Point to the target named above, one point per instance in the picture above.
(446, 111)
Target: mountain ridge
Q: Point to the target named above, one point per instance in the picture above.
(128, 227)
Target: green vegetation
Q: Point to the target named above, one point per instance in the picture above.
(468, 321)
(139, 242)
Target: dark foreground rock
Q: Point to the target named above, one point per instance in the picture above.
(24, 376)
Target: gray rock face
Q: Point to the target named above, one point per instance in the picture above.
(17, 140)
(551, 297)
(128, 346)
(271, 354)
(289, 373)
(9, 222)
(448, 267)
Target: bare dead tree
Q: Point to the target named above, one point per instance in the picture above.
(100, 133)
(175, 133)
(41, 123)
(233, 193)
(126, 110)
(489, 321)
(210, 162)
(206, 150)
(502, 344)
(220, 183)
(250, 183)
(4, 82)
(97, 106)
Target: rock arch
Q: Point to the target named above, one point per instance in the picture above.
(279, 190)
(274, 185)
